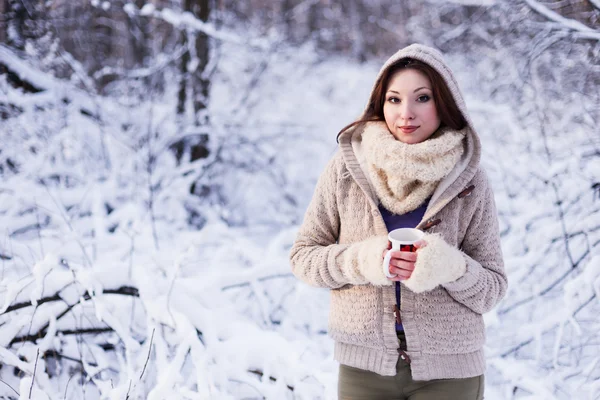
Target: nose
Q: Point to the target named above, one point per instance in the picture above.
(406, 112)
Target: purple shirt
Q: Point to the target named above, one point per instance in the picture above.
(409, 220)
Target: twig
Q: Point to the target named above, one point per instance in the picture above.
(34, 370)
(65, 216)
(542, 292)
(123, 73)
(558, 202)
(200, 336)
(39, 235)
(260, 374)
(55, 354)
(150, 170)
(149, 351)
(261, 279)
(13, 389)
(171, 291)
(31, 323)
(67, 387)
(249, 384)
(528, 341)
(128, 389)
(516, 348)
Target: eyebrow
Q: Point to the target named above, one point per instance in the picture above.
(422, 87)
(414, 91)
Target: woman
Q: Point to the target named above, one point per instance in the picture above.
(411, 160)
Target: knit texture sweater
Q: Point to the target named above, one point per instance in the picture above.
(340, 245)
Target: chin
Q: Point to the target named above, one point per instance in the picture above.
(409, 139)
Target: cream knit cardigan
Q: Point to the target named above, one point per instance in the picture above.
(340, 244)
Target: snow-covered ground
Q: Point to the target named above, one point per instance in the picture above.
(100, 204)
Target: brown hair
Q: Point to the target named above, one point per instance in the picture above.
(447, 109)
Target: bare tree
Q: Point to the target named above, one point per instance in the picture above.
(195, 83)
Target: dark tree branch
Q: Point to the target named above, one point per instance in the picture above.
(35, 337)
(18, 306)
(123, 290)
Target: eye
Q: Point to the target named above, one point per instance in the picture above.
(393, 100)
(423, 98)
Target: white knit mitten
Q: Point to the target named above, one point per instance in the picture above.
(369, 258)
(437, 263)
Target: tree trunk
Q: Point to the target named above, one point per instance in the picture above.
(358, 21)
(193, 65)
(314, 27)
(138, 39)
(287, 18)
(3, 21)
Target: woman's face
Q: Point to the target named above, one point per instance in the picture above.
(409, 110)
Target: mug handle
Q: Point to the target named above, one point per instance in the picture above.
(386, 264)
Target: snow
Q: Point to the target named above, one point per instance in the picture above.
(219, 314)
(474, 2)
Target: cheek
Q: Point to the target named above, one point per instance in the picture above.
(389, 115)
(432, 115)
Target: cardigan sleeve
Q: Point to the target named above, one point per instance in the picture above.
(484, 284)
(316, 256)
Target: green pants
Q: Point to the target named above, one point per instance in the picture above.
(358, 384)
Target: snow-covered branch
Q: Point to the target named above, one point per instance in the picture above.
(107, 313)
(162, 62)
(43, 85)
(567, 23)
(185, 20)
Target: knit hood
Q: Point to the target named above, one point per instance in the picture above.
(465, 168)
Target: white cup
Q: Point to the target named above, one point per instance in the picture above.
(401, 239)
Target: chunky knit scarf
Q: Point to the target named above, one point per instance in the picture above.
(405, 175)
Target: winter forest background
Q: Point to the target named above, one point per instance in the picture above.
(156, 158)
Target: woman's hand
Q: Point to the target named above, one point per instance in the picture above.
(402, 263)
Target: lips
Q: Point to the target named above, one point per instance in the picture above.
(408, 128)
